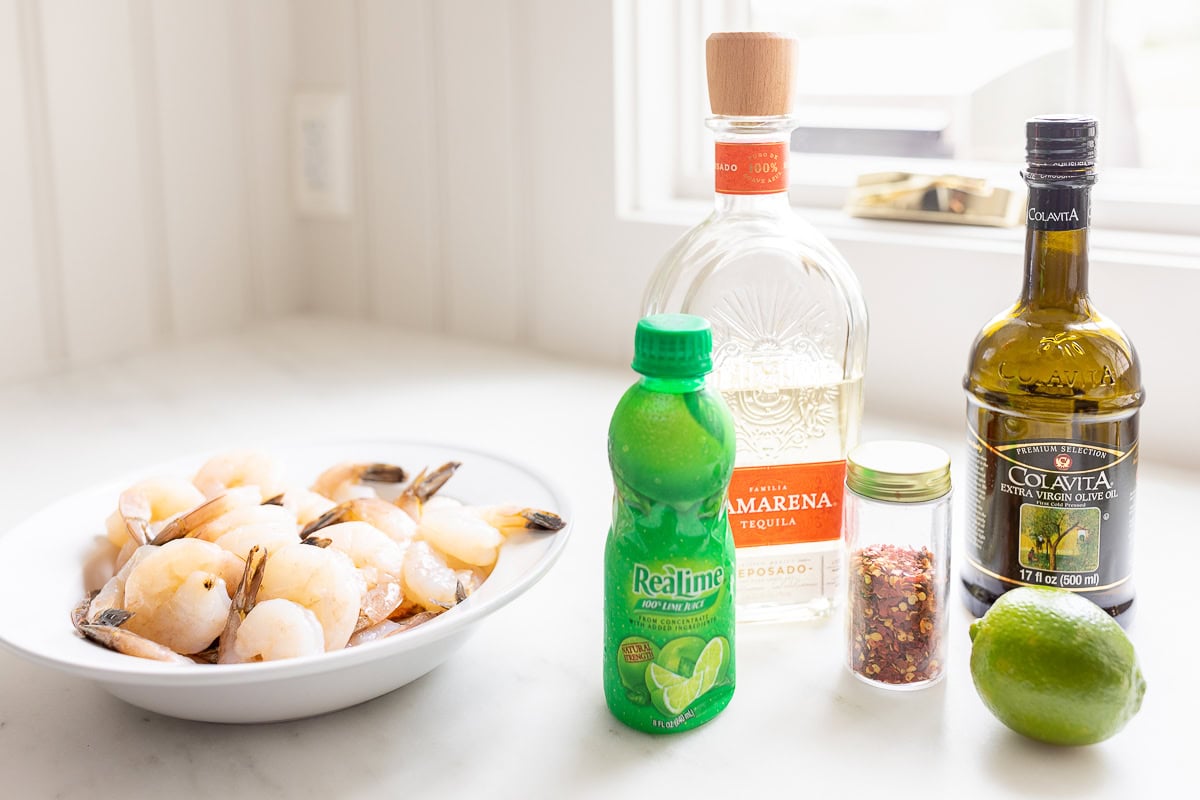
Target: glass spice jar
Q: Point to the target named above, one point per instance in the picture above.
(897, 540)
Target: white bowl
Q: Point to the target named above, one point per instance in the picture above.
(43, 560)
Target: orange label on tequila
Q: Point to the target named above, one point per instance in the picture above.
(786, 504)
(751, 168)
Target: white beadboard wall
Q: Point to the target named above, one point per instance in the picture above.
(145, 170)
(143, 174)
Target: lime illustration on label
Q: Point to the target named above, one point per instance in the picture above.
(675, 676)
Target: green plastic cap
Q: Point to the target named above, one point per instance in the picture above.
(673, 346)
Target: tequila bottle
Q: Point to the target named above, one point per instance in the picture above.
(789, 335)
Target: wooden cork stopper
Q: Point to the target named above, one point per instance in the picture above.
(751, 74)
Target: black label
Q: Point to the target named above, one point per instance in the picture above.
(1050, 512)
(1059, 208)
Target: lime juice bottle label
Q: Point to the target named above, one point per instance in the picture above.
(669, 635)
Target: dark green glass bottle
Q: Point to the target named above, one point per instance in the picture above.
(1053, 393)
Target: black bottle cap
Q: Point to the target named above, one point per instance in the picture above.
(1061, 146)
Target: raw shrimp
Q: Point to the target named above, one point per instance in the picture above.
(241, 515)
(240, 468)
(112, 593)
(100, 564)
(380, 562)
(148, 503)
(276, 629)
(462, 535)
(270, 630)
(107, 630)
(428, 579)
(344, 481)
(424, 486)
(199, 518)
(322, 580)
(509, 519)
(393, 521)
(244, 598)
(269, 536)
(306, 505)
(179, 594)
(388, 627)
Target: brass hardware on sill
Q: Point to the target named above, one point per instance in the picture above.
(934, 198)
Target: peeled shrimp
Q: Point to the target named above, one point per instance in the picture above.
(345, 481)
(267, 526)
(147, 503)
(240, 468)
(179, 594)
(428, 579)
(269, 536)
(199, 518)
(276, 629)
(100, 564)
(462, 535)
(306, 505)
(372, 510)
(112, 593)
(380, 562)
(322, 580)
(248, 513)
(385, 628)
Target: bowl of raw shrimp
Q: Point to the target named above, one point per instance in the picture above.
(250, 587)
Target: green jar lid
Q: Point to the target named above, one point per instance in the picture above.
(673, 346)
(898, 472)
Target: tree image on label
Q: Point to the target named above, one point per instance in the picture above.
(1060, 539)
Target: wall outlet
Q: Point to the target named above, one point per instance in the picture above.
(322, 161)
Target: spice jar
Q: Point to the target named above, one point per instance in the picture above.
(897, 540)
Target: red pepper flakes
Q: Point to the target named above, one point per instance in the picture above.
(894, 635)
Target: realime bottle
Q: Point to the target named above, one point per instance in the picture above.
(1053, 391)
(789, 333)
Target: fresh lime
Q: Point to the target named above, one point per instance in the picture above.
(1053, 666)
(680, 655)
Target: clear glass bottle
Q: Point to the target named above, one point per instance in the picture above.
(897, 532)
(789, 332)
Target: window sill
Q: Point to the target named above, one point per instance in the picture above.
(1131, 248)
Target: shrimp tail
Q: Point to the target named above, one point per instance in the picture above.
(129, 643)
(331, 517)
(317, 541)
(112, 617)
(106, 630)
(244, 600)
(424, 486)
(507, 518)
(277, 500)
(383, 473)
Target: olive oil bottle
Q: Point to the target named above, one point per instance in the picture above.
(1053, 393)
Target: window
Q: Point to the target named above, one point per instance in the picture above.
(942, 86)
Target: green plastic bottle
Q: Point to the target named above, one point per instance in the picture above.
(669, 561)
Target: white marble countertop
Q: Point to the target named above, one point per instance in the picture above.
(519, 711)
